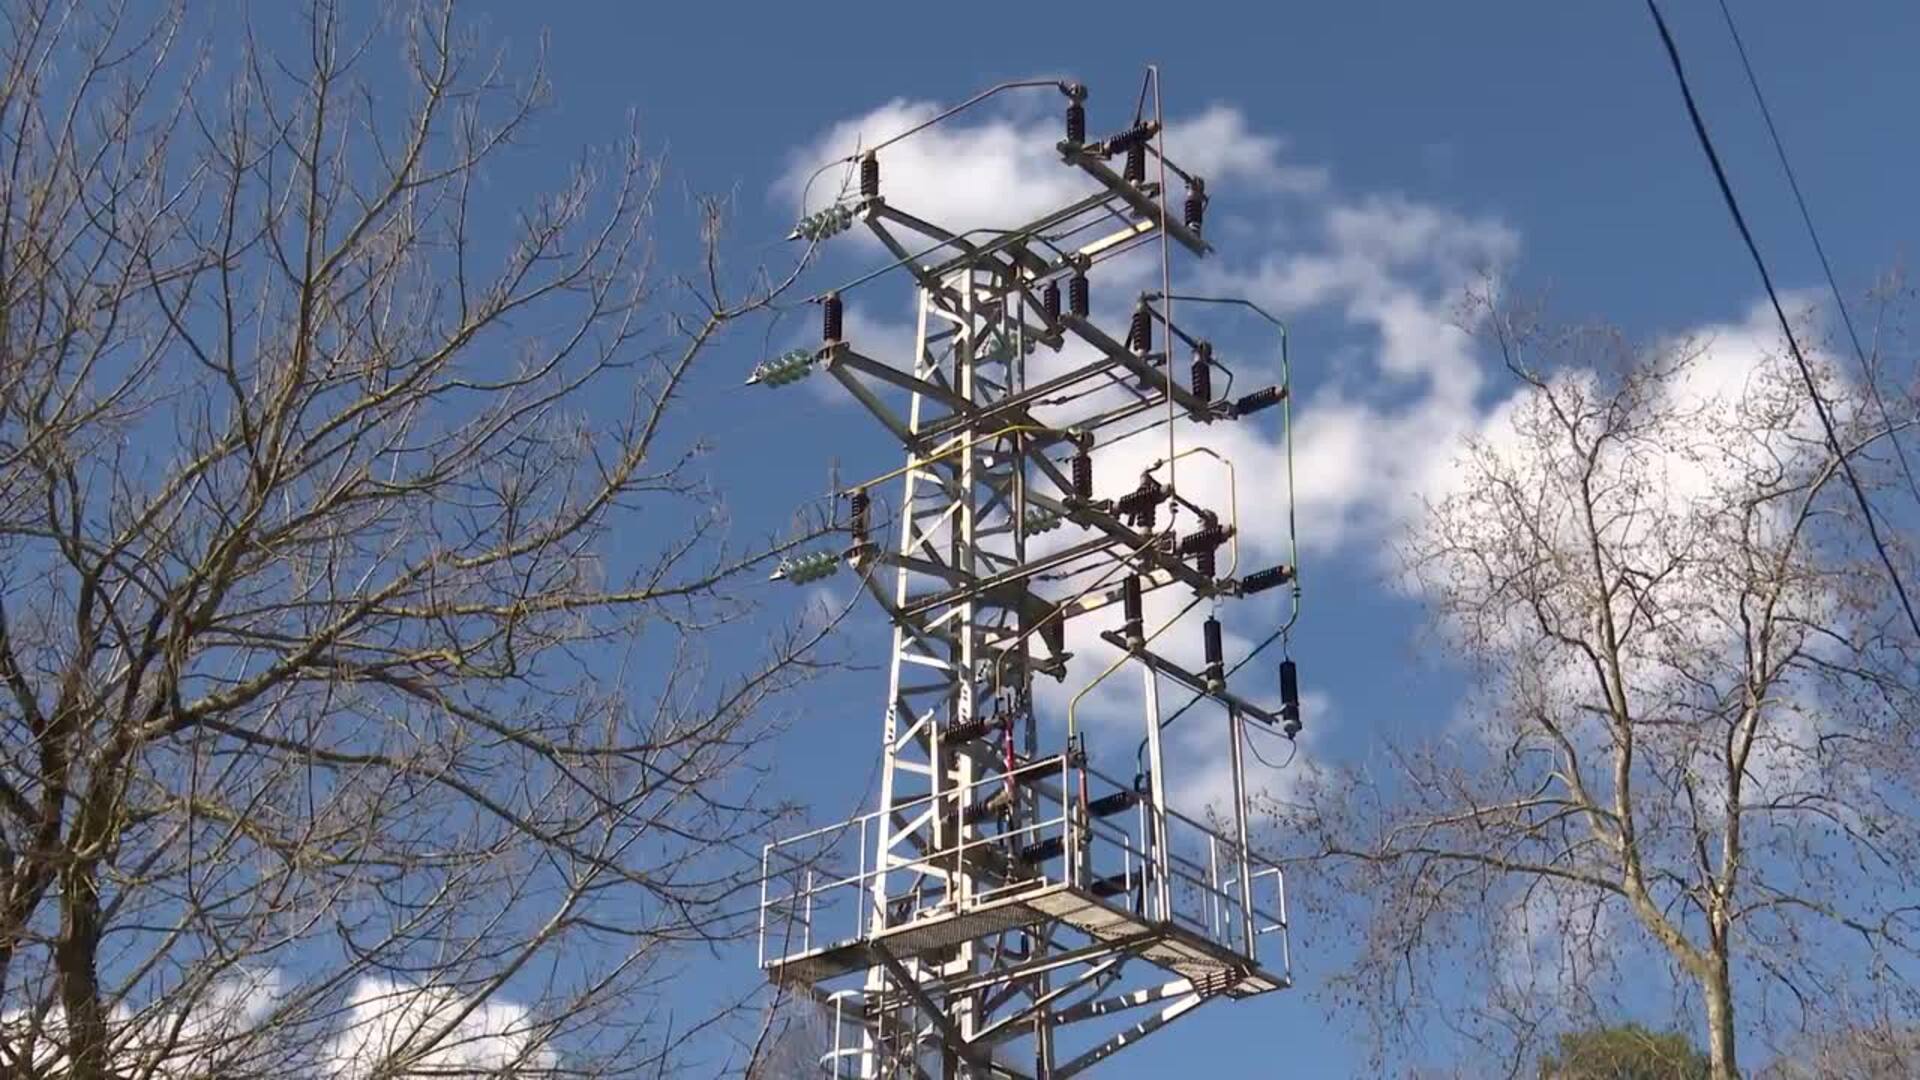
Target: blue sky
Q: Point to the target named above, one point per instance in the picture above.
(1546, 138)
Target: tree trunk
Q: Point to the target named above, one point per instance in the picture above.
(86, 1035)
(1719, 993)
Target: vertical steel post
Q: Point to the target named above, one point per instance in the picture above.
(1235, 732)
(1157, 792)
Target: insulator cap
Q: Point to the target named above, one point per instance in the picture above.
(1040, 521)
(832, 221)
(1135, 137)
(812, 566)
(1259, 399)
(788, 367)
(1204, 545)
(1216, 665)
(1261, 580)
(1077, 295)
(1195, 211)
(870, 177)
(1203, 371)
(1205, 538)
(1139, 503)
(832, 317)
(1290, 694)
(859, 515)
(1140, 332)
(1050, 302)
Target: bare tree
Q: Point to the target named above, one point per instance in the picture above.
(1692, 746)
(794, 1035)
(355, 569)
(1874, 1052)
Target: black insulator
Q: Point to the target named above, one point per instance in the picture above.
(1083, 476)
(1140, 333)
(1139, 503)
(973, 727)
(1136, 167)
(832, 316)
(1216, 665)
(870, 177)
(1259, 399)
(1204, 545)
(1290, 693)
(1262, 580)
(1196, 209)
(1203, 371)
(1077, 295)
(1130, 604)
(1050, 302)
(860, 515)
(1134, 137)
(1076, 122)
(1205, 538)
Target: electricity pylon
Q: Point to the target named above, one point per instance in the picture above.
(1009, 912)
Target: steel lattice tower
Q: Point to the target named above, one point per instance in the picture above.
(1001, 895)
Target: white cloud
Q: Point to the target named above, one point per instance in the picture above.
(1000, 167)
(962, 176)
(1218, 144)
(383, 1026)
(389, 1023)
(185, 1034)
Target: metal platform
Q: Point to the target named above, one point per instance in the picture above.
(1137, 905)
(1168, 946)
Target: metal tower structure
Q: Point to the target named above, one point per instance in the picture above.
(1009, 910)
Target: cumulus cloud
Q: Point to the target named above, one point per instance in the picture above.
(999, 167)
(389, 1023)
(383, 1031)
(188, 1033)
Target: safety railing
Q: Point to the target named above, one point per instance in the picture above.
(1055, 822)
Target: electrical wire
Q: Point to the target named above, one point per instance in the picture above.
(1139, 754)
(1293, 750)
(1766, 279)
(1813, 234)
(1166, 260)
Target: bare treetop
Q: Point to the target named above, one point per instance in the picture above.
(355, 715)
(1694, 748)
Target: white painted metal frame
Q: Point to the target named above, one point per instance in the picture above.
(973, 945)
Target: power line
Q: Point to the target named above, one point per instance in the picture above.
(1766, 279)
(1813, 234)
